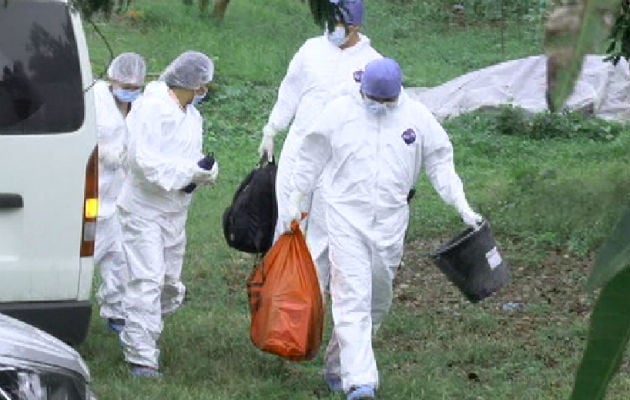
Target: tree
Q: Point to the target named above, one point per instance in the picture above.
(620, 35)
(323, 11)
(220, 6)
(90, 7)
(218, 11)
(572, 30)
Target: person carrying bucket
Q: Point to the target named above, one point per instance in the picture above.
(372, 155)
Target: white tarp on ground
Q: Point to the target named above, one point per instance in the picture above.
(602, 88)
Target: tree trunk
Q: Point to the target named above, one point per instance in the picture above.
(220, 6)
(203, 7)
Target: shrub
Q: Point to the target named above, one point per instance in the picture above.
(545, 125)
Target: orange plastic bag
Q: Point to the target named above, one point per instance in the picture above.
(287, 314)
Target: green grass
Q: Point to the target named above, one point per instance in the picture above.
(550, 202)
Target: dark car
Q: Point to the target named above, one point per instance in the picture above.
(35, 365)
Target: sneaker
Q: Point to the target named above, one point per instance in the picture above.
(333, 382)
(115, 324)
(361, 393)
(142, 371)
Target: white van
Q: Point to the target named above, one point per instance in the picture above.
(48, 168)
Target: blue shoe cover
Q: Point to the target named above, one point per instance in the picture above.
(115, 325)
(333, 382)
(144, 372)
(361, 392)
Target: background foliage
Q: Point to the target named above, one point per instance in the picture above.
(552, 190)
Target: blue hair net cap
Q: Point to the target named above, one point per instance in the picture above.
(382, 79)
(190, 70)
(128, 68)
(351, 10)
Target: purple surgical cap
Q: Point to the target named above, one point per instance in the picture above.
(382, 79)
(351, 10)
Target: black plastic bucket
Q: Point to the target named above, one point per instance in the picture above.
(472, 262)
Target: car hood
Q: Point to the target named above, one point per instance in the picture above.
(25, 343)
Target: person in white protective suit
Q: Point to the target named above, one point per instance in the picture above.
(164, 149)
(321, 70)
(371, 155)
(113, 98)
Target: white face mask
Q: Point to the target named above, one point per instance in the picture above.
(338, 36)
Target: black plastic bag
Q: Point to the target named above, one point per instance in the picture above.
(249, 222)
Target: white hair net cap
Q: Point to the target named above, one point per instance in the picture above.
(127, 68)
(190, 70)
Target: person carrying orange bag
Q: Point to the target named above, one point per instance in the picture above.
(287, 314)
(370, 147)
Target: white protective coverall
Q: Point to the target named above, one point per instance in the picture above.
(108, 253)
(369, 164)
(318, 72)
(165, 144)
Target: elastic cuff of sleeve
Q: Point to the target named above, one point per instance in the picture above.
(268, 130)
(462, 205)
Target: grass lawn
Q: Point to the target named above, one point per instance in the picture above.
(551, 202)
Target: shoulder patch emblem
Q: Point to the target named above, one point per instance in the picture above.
(409, 136)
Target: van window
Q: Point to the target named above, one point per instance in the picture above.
(40, 78)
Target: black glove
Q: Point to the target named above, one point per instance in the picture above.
(206, 163)
(410, 195)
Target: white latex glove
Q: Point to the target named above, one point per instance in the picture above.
(470, 217)
(266, 143)
(111, 158)
(214, 171)
(206, 177)
(294, 208)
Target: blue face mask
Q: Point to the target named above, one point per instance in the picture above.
(374, 107)
(126, 95)
(199, 98)
(338, 36)
(377, 108)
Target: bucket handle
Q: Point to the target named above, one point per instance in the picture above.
(460, 239)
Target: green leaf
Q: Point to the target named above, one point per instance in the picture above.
(614, 256)
(567, 42)
(607, 339)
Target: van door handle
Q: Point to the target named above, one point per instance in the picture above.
(11, 200)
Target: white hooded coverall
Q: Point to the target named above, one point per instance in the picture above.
(370, 163)
(165, 145)
(108, 253)
(318, 72)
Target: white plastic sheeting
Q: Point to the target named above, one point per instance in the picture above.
(602, 89)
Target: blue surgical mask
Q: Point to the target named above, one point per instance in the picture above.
(374, 107)
(379, 108)
(198, 98)
(126, 95)
(338, 36)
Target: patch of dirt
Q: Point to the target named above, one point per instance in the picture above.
(557, 281)
(548, 293)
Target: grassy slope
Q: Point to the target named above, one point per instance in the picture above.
(555, 193)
